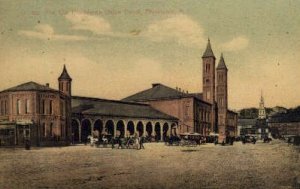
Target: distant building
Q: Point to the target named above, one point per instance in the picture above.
(246, 127)
(286, 123)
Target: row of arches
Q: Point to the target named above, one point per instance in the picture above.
(82, 129)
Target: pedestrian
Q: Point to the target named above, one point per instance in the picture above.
(27, 144)
(142, 142)
(112, 142)
(216, 140)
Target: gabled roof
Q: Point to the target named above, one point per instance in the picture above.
(64, 74)
(208, 52)
(222, 64)
(103, 107)
(158, 91)
(30, 86)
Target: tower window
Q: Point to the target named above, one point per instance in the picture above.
(207, 68)
(208, 95)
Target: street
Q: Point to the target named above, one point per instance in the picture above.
(263, 165)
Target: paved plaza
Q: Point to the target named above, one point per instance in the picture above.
(273, 165)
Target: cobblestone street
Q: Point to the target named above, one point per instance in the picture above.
(274, 165)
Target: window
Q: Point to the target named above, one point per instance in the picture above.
(62, 108)
(44, 130)
(61, 130)
(5, 108)
(1, 113)
(18, 106)
(43, 108)
(208, 95)
(51, 129)
(27, 106)
(207, 68)
(67, 88)
(51, 107)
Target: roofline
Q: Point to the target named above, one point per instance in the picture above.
(108, 100)
(109, 115)
(173, 98)
(49, 91)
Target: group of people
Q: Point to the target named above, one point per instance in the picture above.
(122, 142)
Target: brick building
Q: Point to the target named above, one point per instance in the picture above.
(44, 115)
(36, 112)
(204, 112)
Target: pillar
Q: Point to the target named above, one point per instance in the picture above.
(115, 130)
(144, 130)
(161, 133)
(153, 130)
(125, 130)
(79, 131)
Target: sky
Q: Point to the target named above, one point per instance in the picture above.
(113, 49)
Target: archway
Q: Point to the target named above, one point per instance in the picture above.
(140, 128)
(157, 132)
(85, 130)
(98, 128)
(120, 129)
(75, 130)
(109, 128)
(130, 128)
(165, 131)
(149, 129)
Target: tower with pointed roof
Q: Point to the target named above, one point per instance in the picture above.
(65, 82)
(262, 109)
(208, 81)
(65, 87)
(222, 96)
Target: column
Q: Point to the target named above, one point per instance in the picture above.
(125, 130)
(79, 129)
(161, 133)
(115, 130)
(144, 130)
(153, 130)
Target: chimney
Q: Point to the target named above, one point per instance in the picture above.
(187, 92)
(155, 84)
(47, 85)
(176, 88)
(179, 89)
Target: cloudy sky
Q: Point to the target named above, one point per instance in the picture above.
(116, 48)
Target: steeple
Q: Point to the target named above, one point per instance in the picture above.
(64, 82)
(261, 110)
(221, 64)
(208, 52)
(64, 75)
